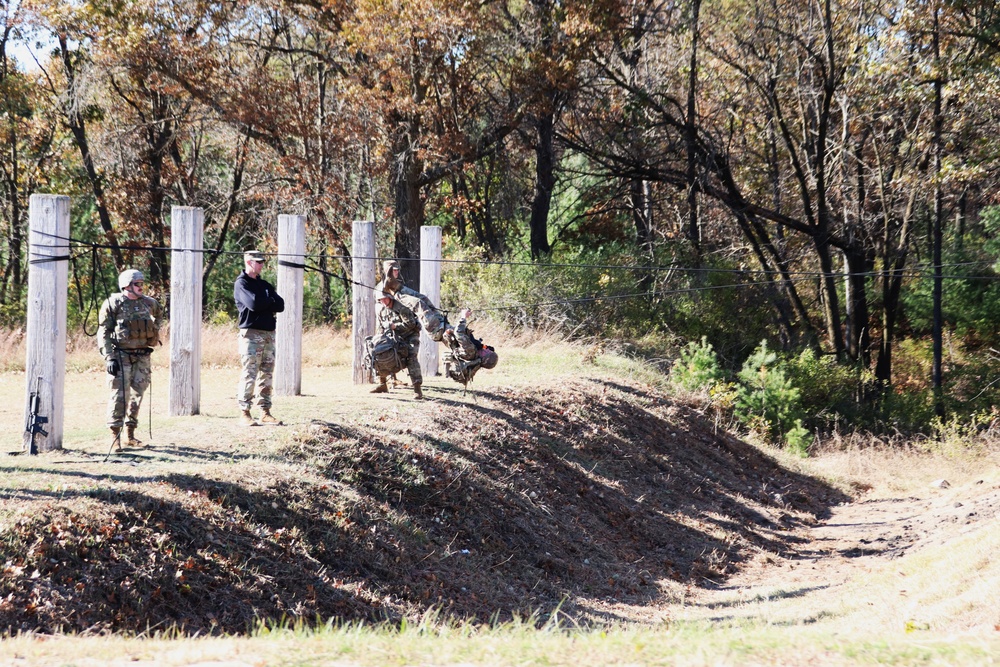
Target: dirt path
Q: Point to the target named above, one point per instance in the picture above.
(857, 538)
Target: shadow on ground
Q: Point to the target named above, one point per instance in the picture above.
(520, 503)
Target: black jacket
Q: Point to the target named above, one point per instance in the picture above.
(256, 303)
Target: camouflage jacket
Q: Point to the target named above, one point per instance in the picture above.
(466, 342)
(127, 324)
(406, 323)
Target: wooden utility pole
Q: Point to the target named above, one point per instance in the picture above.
(291, 287)
(363, 295)
(45, 340)
(186, 246)
(430, 286)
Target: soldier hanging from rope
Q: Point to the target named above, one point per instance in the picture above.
(431, 319)
(466, 353)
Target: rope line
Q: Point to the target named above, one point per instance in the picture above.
(920, 273)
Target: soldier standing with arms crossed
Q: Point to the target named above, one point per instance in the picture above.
(128, 329)
(256, 303)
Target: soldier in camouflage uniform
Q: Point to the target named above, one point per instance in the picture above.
(257, 302)
(128, 329)
(467, 354)
(427, 313)
(394, 316)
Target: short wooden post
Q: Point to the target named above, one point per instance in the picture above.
(186, 245)
(430, 286)
(45, 359)
(363, 295)
(291, 287)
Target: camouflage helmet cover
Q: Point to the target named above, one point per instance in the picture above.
(129, 276)
(489, 357)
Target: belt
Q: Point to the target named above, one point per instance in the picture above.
(138, 352)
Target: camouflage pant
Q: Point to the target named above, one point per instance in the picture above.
(135, 375)
(257, 358)
(413, 363)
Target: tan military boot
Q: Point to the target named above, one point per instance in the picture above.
(132, 440)
(417, 393)
(268, 418)
(381, 388)
(116, 438)
(248, 419)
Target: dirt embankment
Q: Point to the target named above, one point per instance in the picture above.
(580, 498)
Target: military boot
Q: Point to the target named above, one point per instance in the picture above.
(381, 388)
(248, 419)
(116, 437)
(132, 440)
(268, 418)
(417, 393)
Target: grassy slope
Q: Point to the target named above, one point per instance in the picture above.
(584, 492)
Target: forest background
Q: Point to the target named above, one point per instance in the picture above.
(791, 204)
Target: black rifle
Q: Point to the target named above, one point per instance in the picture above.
(33, 422)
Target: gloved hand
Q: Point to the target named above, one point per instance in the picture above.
(113, 367)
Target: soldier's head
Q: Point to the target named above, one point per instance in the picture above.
(385, 298)
(253, 261)
(131, 283)
(489, 357)
(390, 268)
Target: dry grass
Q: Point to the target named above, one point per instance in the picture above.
(879, 620)
(321, 346)
(879, 470)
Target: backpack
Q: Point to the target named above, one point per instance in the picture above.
(459, 370)
(386, 354)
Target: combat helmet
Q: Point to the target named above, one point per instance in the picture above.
(129, 276)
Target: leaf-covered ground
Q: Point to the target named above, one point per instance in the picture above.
(596, 499)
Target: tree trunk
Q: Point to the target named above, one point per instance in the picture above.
(937, 375)
(409, 204)
(79, 130)
(858, 333)
(691, 136)
(545, 182)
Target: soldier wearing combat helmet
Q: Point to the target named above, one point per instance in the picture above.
(128, 330)
(395, 317)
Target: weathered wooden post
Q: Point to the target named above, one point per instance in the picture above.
(186, 245)
(430, 286)
(45, 358)
(363, 296)
(291, 287)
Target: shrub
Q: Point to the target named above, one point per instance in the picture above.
(697, 367)
(766, 400)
